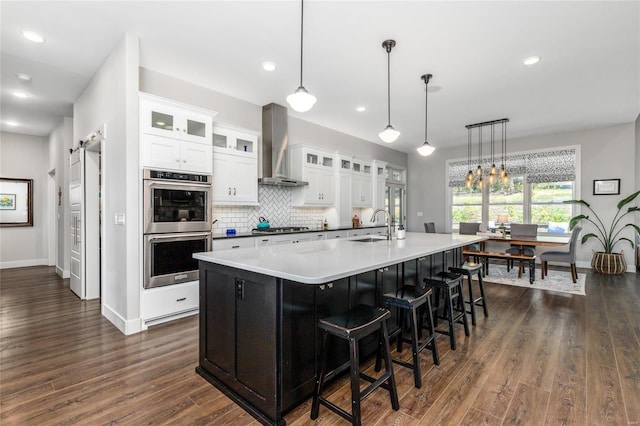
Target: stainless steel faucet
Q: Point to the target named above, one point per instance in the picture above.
(387, 218)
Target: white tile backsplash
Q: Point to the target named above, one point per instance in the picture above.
(275, 206)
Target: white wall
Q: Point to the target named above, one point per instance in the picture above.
(245, 114)
(60, 141)
(25, 157)
(606, 153)
(111, 99)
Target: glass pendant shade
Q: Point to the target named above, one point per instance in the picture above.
(479, 170)
(480, 183)
(301, 100)
(389, 134)
(425, 149)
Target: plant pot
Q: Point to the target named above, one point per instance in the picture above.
(609, 263)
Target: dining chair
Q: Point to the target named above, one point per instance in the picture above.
(521, 230)
(562, 256)
(430, 227)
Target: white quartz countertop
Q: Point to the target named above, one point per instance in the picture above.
(318, 262)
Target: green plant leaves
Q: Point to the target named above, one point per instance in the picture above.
(627, 200)
(574, 220)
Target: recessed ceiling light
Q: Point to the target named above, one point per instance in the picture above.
(18, 94)
(531, 60)
(32, 36)
(269, 66)
(23, 77)
(11, 123)
(361, 109)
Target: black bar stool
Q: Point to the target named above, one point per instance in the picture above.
(468, 269)
(454, 310)
(353, 325)
(409, 300)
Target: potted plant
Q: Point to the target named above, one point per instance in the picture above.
(608, 261)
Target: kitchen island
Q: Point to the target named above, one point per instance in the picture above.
(259, 307)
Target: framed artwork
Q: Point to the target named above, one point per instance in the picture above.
(606, 187)
(16, 202)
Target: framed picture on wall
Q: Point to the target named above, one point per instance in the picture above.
(16, 202)
(606, 187)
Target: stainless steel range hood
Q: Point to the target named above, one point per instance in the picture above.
(275, 140)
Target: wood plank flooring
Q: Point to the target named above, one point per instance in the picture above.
(541, 358)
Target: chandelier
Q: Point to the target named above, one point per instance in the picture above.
(477, 179)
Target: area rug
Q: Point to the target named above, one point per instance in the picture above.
(555, 281)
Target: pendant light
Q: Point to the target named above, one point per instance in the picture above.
(493, 172)
(504, 176)
(469, 180)
(301, 100)
(389, 134)
(426, 149)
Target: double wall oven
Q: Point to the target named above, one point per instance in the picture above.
(177, 223)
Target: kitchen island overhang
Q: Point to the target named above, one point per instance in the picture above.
(259, 308)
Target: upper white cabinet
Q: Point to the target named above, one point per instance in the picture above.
(237, 141)
(175, 136)
(379, 170)
(361, 184)
(172, 120)
(317, 168)
(235, 166)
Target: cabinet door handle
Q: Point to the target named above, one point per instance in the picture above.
(235, 247)
(182, 299)
(234, 191)
(229, 190)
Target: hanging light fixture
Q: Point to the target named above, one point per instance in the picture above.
(389, 134)
(504, 176)
(469, 180)
(426, 148)
(301, 100)
(493, 172)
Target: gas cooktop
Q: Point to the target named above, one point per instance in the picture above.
(277, 230)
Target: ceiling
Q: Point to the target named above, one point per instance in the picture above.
(589, 75)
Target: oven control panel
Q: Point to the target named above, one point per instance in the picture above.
(166, 175)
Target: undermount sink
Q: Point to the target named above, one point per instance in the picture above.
(369, 240)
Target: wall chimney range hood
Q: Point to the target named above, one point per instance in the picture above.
(275, 141)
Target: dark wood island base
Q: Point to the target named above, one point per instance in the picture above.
(259, 341)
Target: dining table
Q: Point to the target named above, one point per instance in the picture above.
(522, 242)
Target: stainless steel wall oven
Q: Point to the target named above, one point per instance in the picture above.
(177, 223)
(168, 258)
(176, 202)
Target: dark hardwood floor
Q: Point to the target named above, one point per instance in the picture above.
(541, 358)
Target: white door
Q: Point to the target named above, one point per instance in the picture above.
(76, 282)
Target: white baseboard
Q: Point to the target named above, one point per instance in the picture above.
(125, 326)
(24, 263)
(63, 273)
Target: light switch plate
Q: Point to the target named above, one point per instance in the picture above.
(419, 214)
(119, 219)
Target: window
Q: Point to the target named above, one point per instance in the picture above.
(506, 200)
(540, 182)
(466, 206)
(547, 208)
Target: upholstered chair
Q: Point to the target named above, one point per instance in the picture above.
(430, 227)
(563, 256)
(470, 228)
(521, 230)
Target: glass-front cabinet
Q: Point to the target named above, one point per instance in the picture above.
(174, 120)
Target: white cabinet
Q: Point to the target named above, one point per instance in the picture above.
(233, 243)
(175, 136)
(336, 234)
(173, 120)
(361, 184)
(235, 166)
(344, 202)
(166, 153)
(379, 170)
(270, 240)
(316, 167)
(170, 301)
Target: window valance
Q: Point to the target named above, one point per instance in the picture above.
(537, 167)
